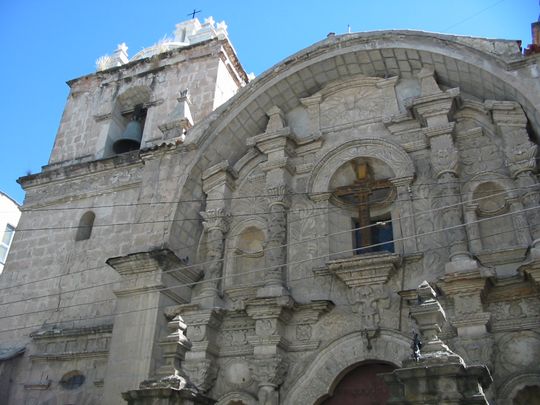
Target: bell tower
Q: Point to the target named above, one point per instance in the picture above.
(123, 106)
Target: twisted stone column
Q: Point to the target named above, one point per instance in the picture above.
(520, 153)
(276, 251)
(216, 226)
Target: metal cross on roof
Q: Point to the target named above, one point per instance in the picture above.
(192, 14)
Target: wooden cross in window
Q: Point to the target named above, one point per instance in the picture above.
(358, 193)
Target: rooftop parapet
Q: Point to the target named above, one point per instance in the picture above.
(187, 33)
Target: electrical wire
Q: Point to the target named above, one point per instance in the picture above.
(278, 247)
(264, 268)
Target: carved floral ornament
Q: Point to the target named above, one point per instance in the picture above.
(216, 219)
(389, 153)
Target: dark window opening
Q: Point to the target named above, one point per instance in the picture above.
(382, 237)
(132, 135)
(86, 224)
(72, 380)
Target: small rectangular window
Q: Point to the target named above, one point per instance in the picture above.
(381, 237)
(6, 242)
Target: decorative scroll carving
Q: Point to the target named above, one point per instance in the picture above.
(202, 373)
(270, 373)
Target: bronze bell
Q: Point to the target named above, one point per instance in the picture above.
(131, 138)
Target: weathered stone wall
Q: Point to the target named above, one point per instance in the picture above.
(95, 101)
(278, 307)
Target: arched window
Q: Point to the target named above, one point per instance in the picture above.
(73, 379)
(249, 256)
(85, 226)
(491, 205)
(361, 187)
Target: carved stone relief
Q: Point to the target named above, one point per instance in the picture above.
(350, 105)
(478, 151)
(515, 351)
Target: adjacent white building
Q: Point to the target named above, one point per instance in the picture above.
(9, 218)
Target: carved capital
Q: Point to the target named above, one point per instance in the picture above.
(279, 194)
(216, 219)
(270, 370)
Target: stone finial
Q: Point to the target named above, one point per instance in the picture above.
(174, 348)
(118, 58)
(428, 84)
(179, 120)
(276, 120)
(221, 30)
(430, 316)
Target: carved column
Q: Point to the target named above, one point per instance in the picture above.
(270, 366)
(278, 144)
(433, 108)
(218, 184)
(434, 374)
(270, 373)
(203, 328)
(473, 230)
(276, 251)
(519, 220)
(520, 152)
(406, 214)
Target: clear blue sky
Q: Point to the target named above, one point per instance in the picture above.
(44, 43)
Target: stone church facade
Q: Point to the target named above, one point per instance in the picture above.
(268, 242)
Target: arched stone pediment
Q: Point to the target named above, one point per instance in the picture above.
(317, 379)
(482, 73)
(393, 155)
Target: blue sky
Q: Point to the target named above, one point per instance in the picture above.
(46, 43)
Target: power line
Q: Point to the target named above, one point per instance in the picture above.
(269, 267)
(202, 199)
(473, 15)
(281, 246)
(191, 284)
(249, 214)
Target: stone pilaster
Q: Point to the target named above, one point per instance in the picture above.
(391, 107)
(149, 282)
(406, 214)
(467, 290)
(434, 374)
(313, 105)
(519, 220)
(520, 153)
(218, 184)
(278, 144)
(473, 230)
(433, 108)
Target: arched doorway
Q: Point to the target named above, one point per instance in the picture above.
(360, 386)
